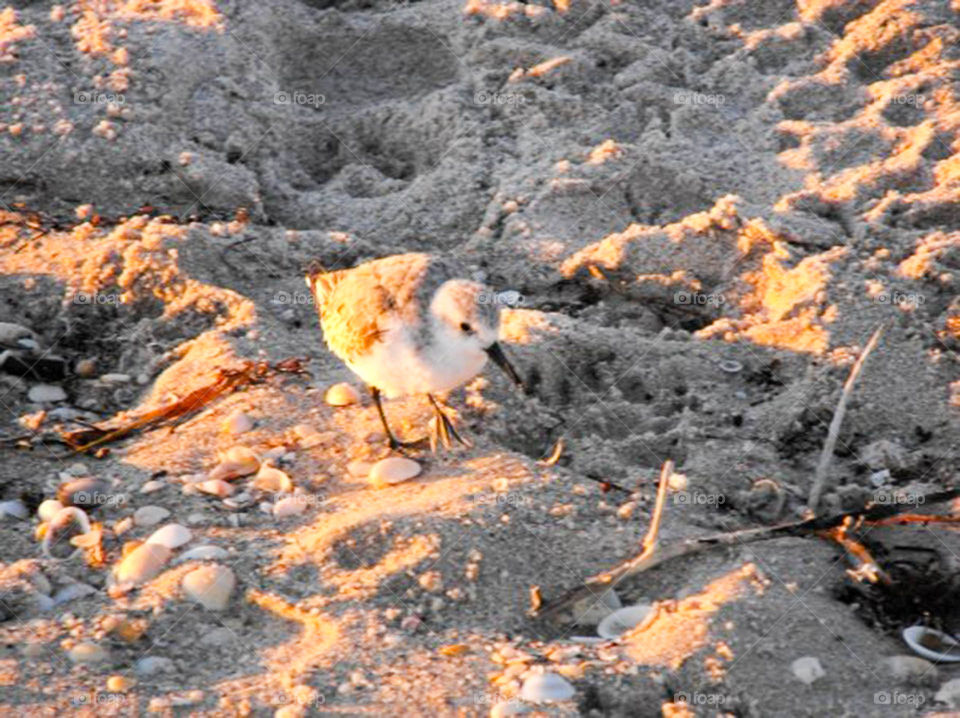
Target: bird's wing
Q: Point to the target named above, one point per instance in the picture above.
(358, 305)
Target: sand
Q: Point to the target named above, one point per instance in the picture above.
(705, 209)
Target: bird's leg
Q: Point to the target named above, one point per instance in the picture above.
(392, 440)
(445, 428)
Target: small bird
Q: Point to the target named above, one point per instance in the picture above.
(410, 324)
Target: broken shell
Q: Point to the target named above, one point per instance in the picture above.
(68, 522)
(623, 620)
(932, 644)
(272, 480)
(807, 669)
(342, 394)
(142, 564)
(234, 463)
(393, 470)
(730, 366)
(172, 536)
(209, 585)
(546, 688)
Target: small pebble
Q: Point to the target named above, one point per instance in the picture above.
(14, 509)
(342, 394)
(210, 586)
(807, 669)
(172, 536)
(115, 378)
(393, 470)
(142, 564)
(150, 515)
(219, 637)
(120, 684)
(546, 688)
(88, 653)
(72, 592)
(151, 665)
(237, 423)
(86, 368)
(46, 394)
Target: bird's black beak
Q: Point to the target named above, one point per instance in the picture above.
(495, 352)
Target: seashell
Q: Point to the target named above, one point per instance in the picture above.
(120, 684)
(234, 463)
(932, 644)
(142, 564)
(15, 509)
(342, 394)
(88, 653)
(68, 522)
(11, 333)
(151, 486)
(623, 620)
(202, 553)
(289, 506)
(46, 394)
(150, 515)
(172, 536)
(88, 493)
(359, 468)
(115, 378)
(274, 454)
(209, 585)
(730, 366)
(272, 480)
(807, 669)
(48, 509)
(308, 437)
(215, 487)
(393, 470)
(546, 688)
(150, 665)
(237, 423)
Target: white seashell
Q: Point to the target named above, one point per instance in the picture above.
(289, 506)
(237, 423)
(342, 394)
(123, 525)
(546, 688)
(807, 669)
(150, 515)
(215, 487)
(172, 536)
(202, 553)
(48, 509)
(46, 393)
(393, 470)
(15, 509)
(115, 378)
(151, 486)
(924, 640)
(623, 620)
(68, 522)
(142, 564)
(88, 653)
(73, 592)
(210, 586)
(272, 480)
(11, 333)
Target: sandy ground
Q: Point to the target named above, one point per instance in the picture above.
(707, 209)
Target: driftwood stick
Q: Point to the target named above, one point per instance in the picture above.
(826, 456)
(661, 553)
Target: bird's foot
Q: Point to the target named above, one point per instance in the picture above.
(443, 430)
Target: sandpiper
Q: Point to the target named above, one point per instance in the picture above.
(410, 324)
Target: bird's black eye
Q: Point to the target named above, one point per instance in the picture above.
(466, 328)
